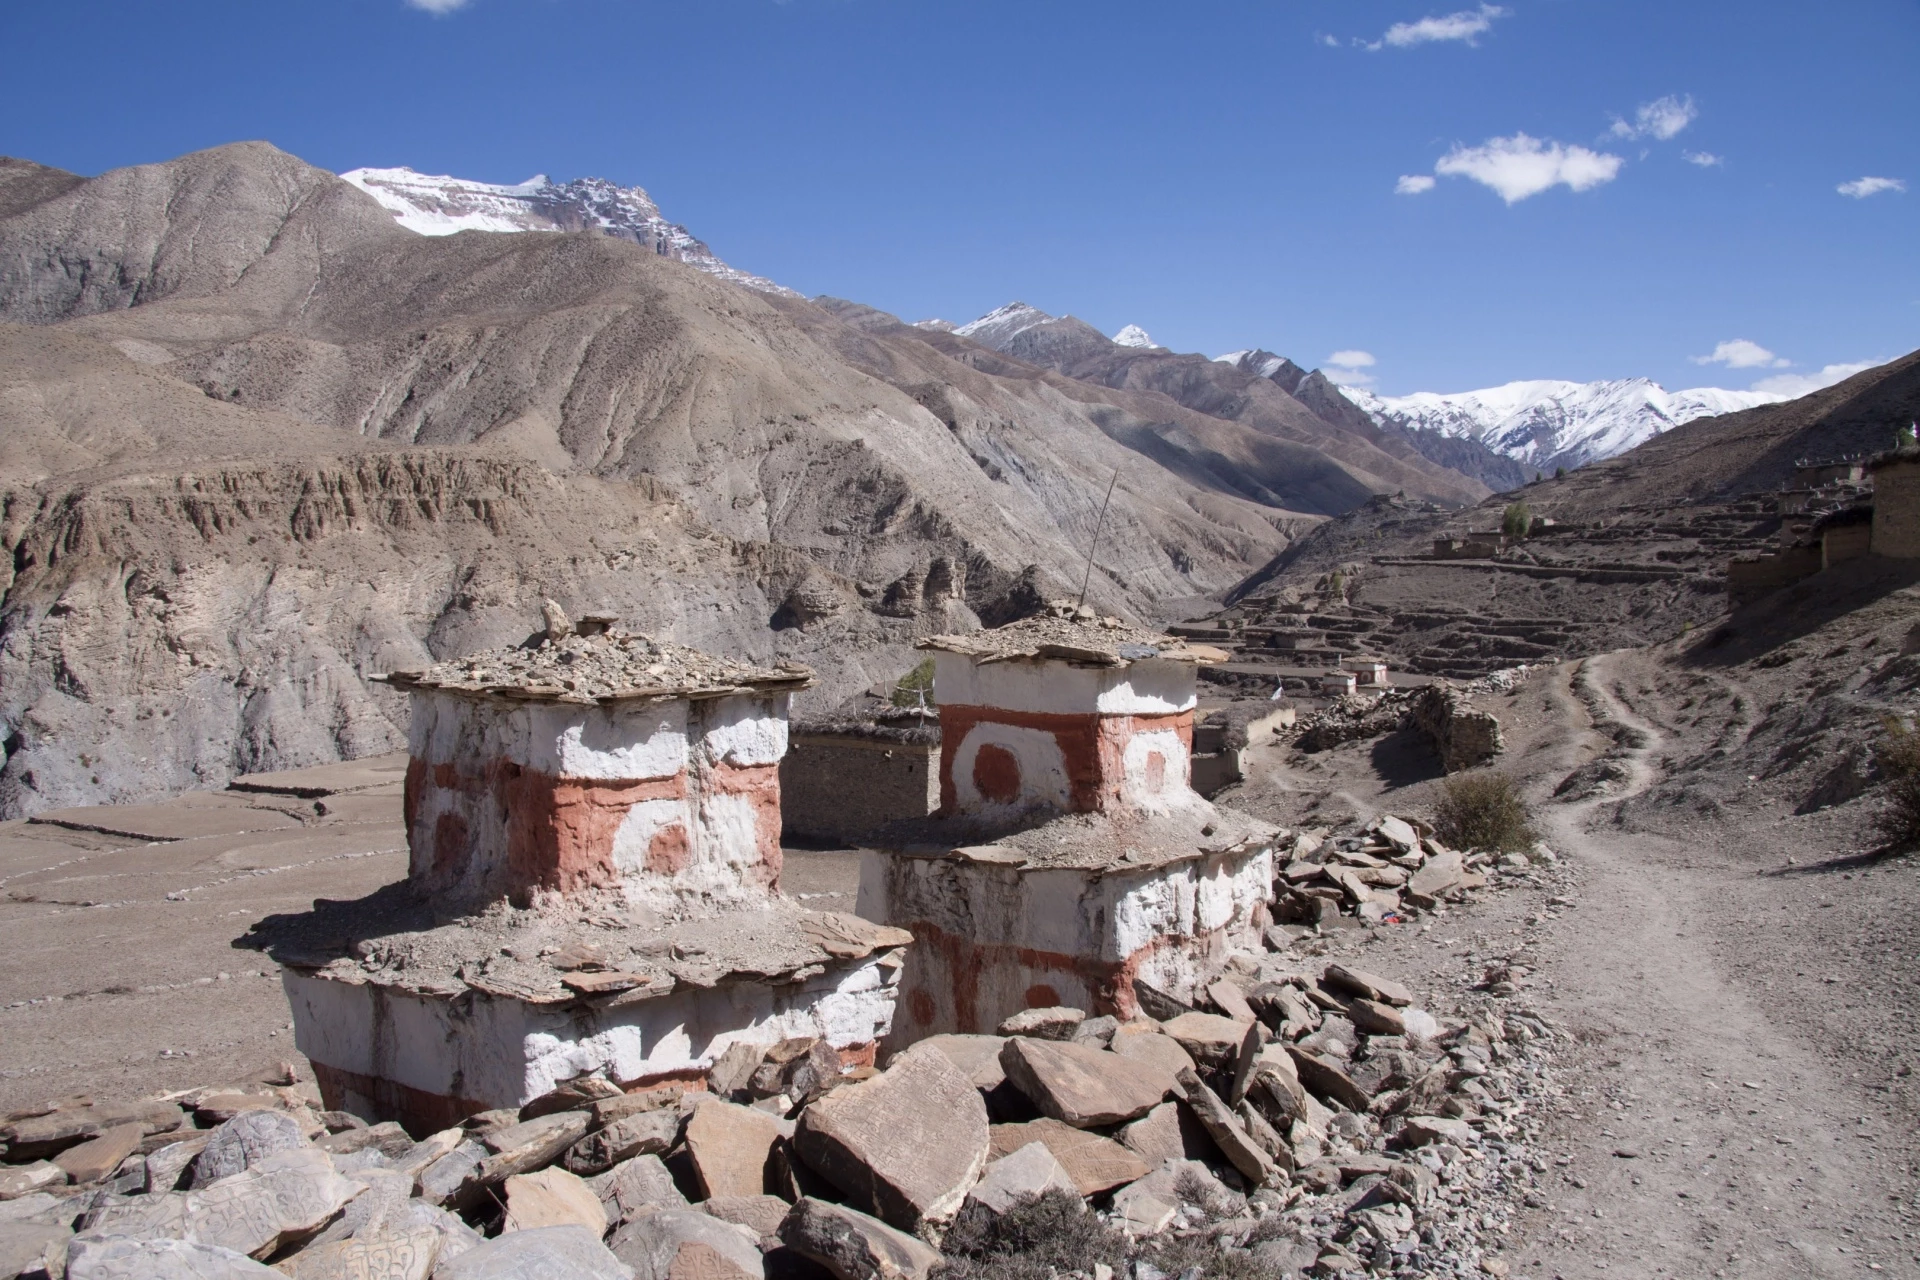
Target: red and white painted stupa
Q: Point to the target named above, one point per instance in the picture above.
(1071, 857)
(594, 831)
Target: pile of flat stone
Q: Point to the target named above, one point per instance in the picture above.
(1388, 871)
(1328, 1107)
(1354, 716)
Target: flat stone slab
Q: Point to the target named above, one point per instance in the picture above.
(382, 1255)
(686, 1244)
(729, 1145)
(1030, 1171)
(978, 1057)
(544, 1253)
(321, 780)
(855, 1246)
(552, 1198)
(1083, 1086)
(908, 1143)
(120, 1258)
(29, 1247)
(1094, 1163)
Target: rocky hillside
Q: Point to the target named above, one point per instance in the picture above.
(1636, 555)
(1277, 432)
(258, 441)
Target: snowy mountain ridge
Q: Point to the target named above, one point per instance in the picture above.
(1545, 424)
(439, 205)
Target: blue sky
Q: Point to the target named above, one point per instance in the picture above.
(1309, 177)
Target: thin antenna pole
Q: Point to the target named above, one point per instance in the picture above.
(1087, 577)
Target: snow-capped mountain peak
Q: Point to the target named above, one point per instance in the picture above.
(1261, 364)
(440, 205)
(1134, 336)
(999, 325)
(1544, 424)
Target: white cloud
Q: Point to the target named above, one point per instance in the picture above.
(1349, 368)
(1412, 184)
(1801, 384)
(1662, 118)
(1742, 354)
(1467, 25)
(1705, 159)
(1861, 188)
(439, 8)
(1521, 166)
(1332, 42)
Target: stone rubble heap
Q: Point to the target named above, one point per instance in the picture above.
(601, 665)
(1315, 1122)
(1386, 873)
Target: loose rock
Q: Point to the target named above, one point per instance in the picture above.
(552, 1198)
(1056, 1023)
(907, 1143)
(98, 1157)
(729, 1145)
(685, 1244)
(1083, 1087)
(120, 1258)
(1094, 1163)
(1028, 1172)
(244, 1141)
(559, 1253)
(854, 1246)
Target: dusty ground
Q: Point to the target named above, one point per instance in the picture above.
(119, 976)
(1738, 980)
(1735, 980)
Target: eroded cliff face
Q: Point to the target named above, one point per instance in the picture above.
(163, 632)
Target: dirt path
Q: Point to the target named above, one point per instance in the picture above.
(1707, 1134)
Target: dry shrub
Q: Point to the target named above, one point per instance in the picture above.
(1898, 757)
(1039, 1237)
(1483, 810)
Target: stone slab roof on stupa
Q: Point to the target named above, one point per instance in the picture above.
(605, 667)
(1080, 636)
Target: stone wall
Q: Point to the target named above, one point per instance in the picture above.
(1748, 580)
(842, 787)
(1896, 508)
(1466, 737)
(1842, 542)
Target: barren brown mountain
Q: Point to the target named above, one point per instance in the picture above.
(260, 442)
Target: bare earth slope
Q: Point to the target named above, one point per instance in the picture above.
(1723, 944)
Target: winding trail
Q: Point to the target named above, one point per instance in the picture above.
(1714, 1139)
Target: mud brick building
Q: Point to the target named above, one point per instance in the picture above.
(1071, 856)
(844, 778)
(594, 835)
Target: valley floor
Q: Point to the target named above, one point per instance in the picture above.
(1736, 985)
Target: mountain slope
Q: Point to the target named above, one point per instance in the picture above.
(1370, 460)
(1753, 450)
(269, 442)
(437, 205)
(1334, 404)
(1545, 425)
